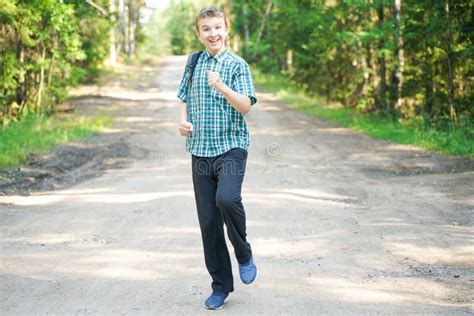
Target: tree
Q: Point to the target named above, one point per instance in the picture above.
(399, 62)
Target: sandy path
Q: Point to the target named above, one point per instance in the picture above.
(340, 224)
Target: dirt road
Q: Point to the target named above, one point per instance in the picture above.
(340, 223)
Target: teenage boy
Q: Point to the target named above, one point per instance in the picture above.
(212, 118)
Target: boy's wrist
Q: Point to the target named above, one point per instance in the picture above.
(224, 89)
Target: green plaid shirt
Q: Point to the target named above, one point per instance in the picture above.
(217, 126)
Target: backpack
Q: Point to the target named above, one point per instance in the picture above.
(191, 64)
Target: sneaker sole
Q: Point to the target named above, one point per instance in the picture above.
(215, 309)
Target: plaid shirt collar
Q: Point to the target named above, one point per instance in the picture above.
(217, 57)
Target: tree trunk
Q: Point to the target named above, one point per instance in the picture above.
(51, 69)
(397, 76)
(268, 10)
(227, 12)
(246, 30)
(371, 79)
(123, 25)
(452, 109)
(41, 81)
(112, 37)
(382, 66)
(289, 60)
(21, 89)
(20, 92)
(360, 90)
(361, 61)
(131, 28)
(53, 60)
(429, 88)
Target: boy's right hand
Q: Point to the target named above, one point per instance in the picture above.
(185, 128)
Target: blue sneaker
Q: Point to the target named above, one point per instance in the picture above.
(248, 271)
(216, 300)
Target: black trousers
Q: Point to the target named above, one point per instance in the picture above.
(217, 188)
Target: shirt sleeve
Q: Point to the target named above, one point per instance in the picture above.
(183, 86)
(243, 83)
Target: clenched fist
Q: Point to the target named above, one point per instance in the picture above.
(185, 128)
(215, 80)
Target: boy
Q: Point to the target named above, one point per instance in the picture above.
(212, 118)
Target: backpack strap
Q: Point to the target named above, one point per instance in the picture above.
(191, 63)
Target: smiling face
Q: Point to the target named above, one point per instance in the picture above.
(212, 32)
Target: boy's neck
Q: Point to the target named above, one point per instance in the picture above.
(217, 53)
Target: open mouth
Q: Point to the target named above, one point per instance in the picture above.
(214, 41)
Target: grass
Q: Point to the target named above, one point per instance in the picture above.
(459, 141)
(35, 133)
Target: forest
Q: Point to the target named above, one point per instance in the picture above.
(409, 62)
(48, 46)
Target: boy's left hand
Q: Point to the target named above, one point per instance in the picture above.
(215, 80)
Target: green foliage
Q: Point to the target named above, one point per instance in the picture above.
(46, 46)
(416, 131)
(340, 48)
(94, 42)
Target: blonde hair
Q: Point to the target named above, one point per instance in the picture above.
(210, 12)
